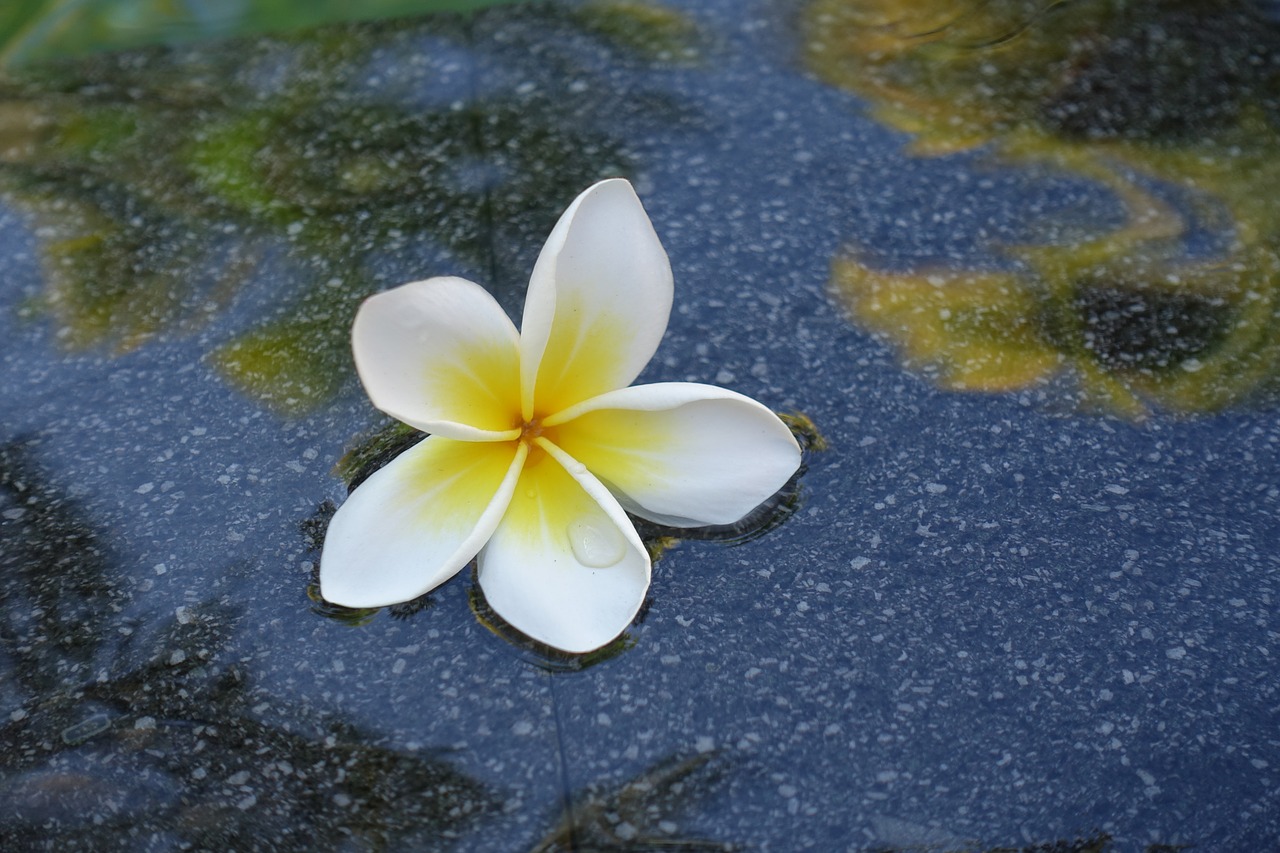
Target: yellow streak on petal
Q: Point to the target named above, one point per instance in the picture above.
(451, 486)
(551, 513)
(581, 358)
(479, 386)
(618, 445)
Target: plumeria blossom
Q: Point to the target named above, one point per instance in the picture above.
(538, 445)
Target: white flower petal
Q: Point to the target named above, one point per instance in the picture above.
(414, 523)
(441, 355)
(565, 566)
(598, 301)
(680, 453)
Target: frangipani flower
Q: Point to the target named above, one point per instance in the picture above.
(538, 448)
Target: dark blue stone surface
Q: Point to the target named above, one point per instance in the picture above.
(993, 620)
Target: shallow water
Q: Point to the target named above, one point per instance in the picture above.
(1025, 594)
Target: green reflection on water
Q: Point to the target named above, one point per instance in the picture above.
(1141, 98)
(33, 30)
(646, 29)
(162, 181)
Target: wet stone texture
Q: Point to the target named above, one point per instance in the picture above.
(1042, 611)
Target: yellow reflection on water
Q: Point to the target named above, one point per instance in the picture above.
(1140, 98)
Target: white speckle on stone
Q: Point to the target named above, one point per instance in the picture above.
(176, 657)
(935, 488)
(1116, 489)
(1147, 778)
(144, 488)
(398, 666)
(238, 778)
(1176, 653)
(523, 727)
(145, 723)
(626, 831)
(247, 803)
(341, 800)
(704, 743)
(859, 562)
(184, 615)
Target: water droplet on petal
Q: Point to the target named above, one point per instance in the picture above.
(597, 543)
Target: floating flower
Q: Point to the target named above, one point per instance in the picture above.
(538, 447)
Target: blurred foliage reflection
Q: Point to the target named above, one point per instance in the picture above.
(1172, 105)
(32, 30)
(164, 181)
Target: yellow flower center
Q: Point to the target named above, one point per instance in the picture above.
(533, 435)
